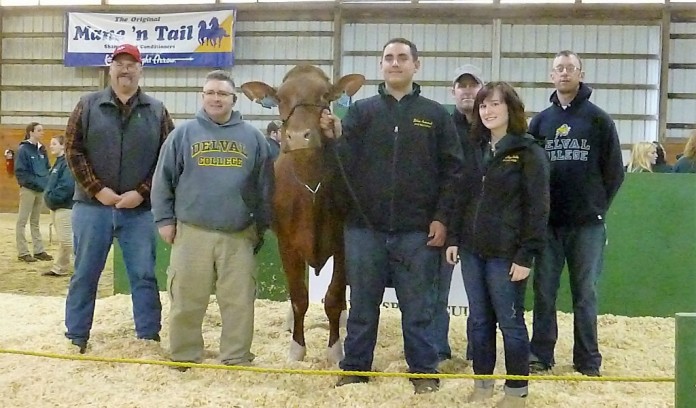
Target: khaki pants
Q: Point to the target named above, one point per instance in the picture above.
(30, 205)
(203, 262)
(61, 219)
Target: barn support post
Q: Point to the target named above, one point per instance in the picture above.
(685, 360)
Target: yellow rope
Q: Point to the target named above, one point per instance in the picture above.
(336, 372)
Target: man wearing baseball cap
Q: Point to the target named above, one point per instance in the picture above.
(113, 139)
(127, 49)
(465, 85)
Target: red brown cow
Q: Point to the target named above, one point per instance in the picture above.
(306, 215)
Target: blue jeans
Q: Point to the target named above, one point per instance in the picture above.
(94, 228)
(494, 298)
(583, 248)
(372, 258)
(439, 327)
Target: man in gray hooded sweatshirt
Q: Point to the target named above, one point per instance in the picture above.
(210, 201)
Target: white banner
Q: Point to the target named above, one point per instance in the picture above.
(173, 39)
(458, 302)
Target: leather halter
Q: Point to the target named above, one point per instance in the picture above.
(314, 190)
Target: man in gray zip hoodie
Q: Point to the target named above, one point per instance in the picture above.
(210, 201)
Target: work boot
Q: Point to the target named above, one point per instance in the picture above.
(425, 385)
(26, 258)
(351, 379)
(81, 344)
(43, 256)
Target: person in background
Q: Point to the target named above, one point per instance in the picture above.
(213, 206)
(112, 141)
(466, 83)
(643, 158)
(31, 169)
(273, 138)
(502, 232)
(687, 162)
(661, 165)
(58, 197)
(586, 173)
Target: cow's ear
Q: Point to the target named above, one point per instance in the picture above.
(261, 93)
(349, 84)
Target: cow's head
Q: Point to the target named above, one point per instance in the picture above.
(305, 92)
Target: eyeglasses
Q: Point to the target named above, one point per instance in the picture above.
(221, 94)
(567, 68)
(125, 67)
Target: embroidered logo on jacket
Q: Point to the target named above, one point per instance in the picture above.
(563, 130)
(422, 123)
(513, 158)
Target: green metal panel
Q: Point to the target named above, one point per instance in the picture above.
(649, 262)
(650, 258)
(271, 283)
(685, 361)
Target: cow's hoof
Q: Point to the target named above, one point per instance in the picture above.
(343, 319)
(297, 352)
(335, 353)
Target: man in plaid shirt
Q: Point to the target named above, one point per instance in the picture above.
(113, 138)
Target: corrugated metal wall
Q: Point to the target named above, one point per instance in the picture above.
(442, 48)
(681, 111)
(621, 61)
(267, 56)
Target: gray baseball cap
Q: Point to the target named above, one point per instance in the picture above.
(468, 69)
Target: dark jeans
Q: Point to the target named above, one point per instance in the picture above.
(372, 258)
(94, 228)
(439, 328)
(494, 298)
(583, 248)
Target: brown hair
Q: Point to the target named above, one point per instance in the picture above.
(399, 40)
(30, 128)
(517, 121)
(569, 53)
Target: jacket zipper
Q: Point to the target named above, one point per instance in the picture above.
(393, 171)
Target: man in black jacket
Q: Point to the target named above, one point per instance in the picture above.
(403, 164)
(586, 173)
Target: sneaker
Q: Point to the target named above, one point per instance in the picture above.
(480, 394)
(538, 367)
(26, 258)
(512, 401)
(43, 256)
(52, 273)
(81, 344)
(181, 368)
(588, 371)
(352, 379)
(425, 385)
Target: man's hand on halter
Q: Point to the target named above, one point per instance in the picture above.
(330, 125)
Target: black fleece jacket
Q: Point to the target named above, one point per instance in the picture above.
(403, 161)
(507, 210)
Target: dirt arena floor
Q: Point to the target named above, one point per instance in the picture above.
(25, 278)
(32, 320)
